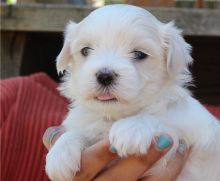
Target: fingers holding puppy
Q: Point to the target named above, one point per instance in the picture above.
(133, 167)
(94, 160)
(101, 162)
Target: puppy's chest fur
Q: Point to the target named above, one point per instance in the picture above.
(183, 118)
(92, 126)
(189, 121)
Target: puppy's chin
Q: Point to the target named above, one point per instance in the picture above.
(112, 108)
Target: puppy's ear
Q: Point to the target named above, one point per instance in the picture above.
(64, 58)
(177, 52)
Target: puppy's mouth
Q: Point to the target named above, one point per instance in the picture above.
(106, 97)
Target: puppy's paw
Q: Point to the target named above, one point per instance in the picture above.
(131, 137)
(63, 159)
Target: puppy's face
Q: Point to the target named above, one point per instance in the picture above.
(119, 59)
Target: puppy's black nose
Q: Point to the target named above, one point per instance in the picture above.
(105, 77)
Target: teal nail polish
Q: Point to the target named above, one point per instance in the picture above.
(112, 149)
(164, 142)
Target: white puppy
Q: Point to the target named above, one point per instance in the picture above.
(127, 74)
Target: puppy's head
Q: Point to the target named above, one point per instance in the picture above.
(120, 58)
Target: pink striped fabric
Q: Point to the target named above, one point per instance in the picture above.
(28, 106)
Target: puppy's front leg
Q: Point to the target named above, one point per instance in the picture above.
(63, 159)
(133, 135)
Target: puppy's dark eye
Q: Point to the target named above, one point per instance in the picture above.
(85, 51)
(138, 55)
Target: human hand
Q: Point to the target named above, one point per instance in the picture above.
(99, 163)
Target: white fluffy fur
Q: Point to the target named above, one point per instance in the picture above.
(152, 94)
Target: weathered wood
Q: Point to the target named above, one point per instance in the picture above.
(12, 48)
(152, 3)
(26, 1)
(53, 17)
(40, 17)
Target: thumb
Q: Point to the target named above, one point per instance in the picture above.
(51, 135)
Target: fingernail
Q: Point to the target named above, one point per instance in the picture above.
(163, 142)
(182, 147)
(50, 134)
(112, 149)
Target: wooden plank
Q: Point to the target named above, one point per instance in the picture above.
(151, 3)
(11, 53)
(40, 17)
(53, 17)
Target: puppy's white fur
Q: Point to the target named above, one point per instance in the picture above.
(151, 93)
